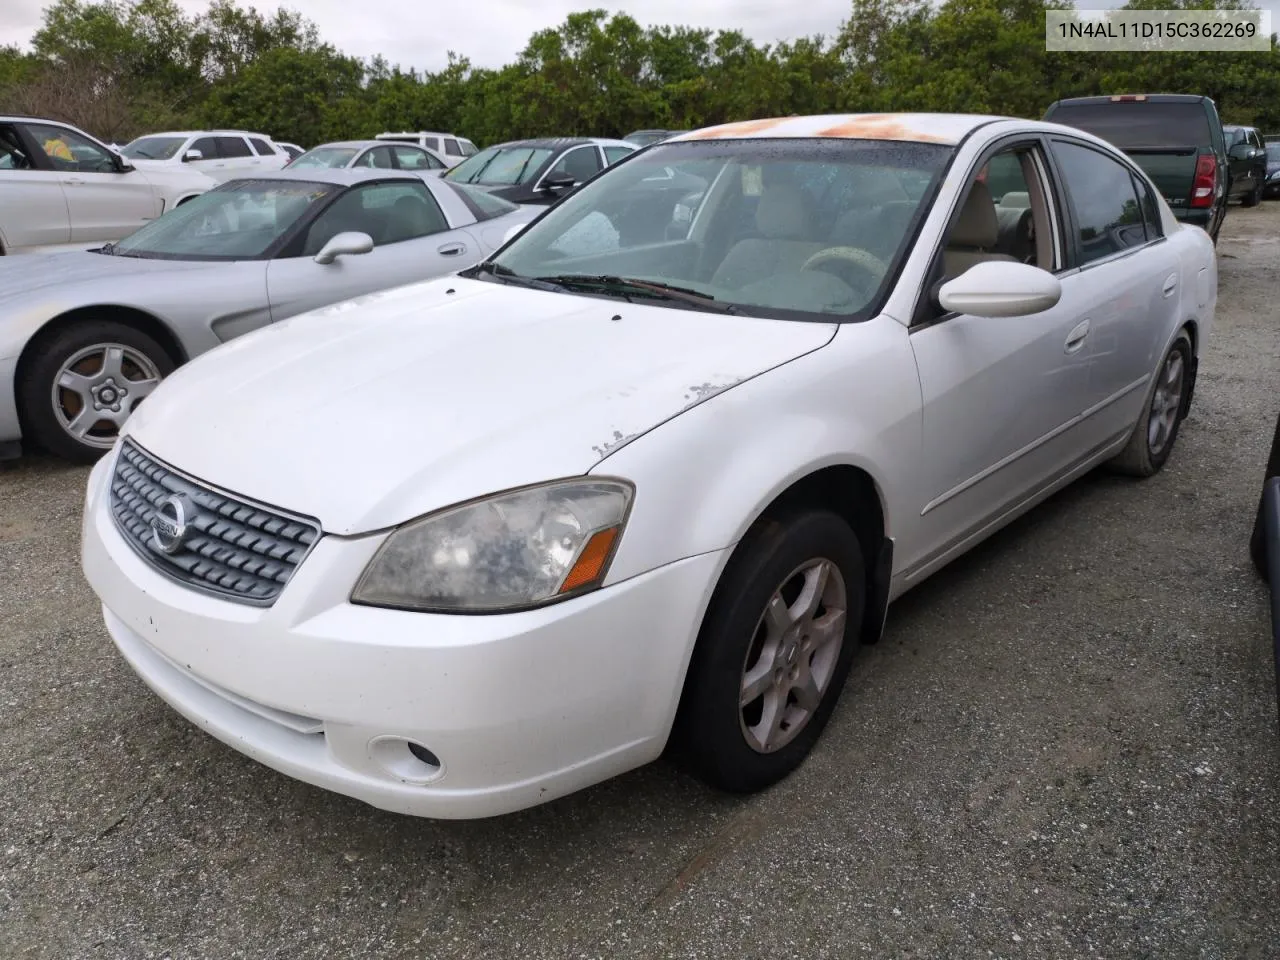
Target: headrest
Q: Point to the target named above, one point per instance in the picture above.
(977, 225)
(781, 212)
(1016, 198)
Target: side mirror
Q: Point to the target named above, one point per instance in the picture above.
(1241, 151)
(560, 181)
(192, 155)
(344, 244)
(120, 163)
(512, 232)
(1001, 288)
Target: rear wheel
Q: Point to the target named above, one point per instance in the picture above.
(1157, 428)
(83, 383)
(1253, 197)
(773, 653)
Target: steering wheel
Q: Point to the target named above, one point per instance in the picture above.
(871, 267)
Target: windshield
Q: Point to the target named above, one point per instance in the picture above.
(1133, 124)
(799, 229)
(236, 221)
(153, 148)
(500, 166)
(332, 157)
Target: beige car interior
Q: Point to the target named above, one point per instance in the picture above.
(1016, 229)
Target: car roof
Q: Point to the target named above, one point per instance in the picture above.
(418, 133)
(203, 133)
(341, 176)
(947, 128)
(356, 143)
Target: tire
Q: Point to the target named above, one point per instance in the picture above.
(1253, 197)
(114, 367)
(1150, 445)
(1258, 539)
(726, 744)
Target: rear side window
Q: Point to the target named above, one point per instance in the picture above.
(452, 148)
(431, 143)
(1133, 124)
(261, 147)
(207, 146)
(614, 154)
(1102, 195)
(1150, 210)
(233, 147)
(482, 204)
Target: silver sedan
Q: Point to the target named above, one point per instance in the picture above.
(372, 153)
(86, 336)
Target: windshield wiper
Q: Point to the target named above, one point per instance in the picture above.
(507, 275)
(651, 288)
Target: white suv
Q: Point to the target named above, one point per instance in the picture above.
(61, 188)
(450, 148)
(221, 154)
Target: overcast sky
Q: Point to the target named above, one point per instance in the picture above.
(491, 32)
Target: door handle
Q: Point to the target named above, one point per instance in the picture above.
(74, 181)
(1170, 285)
(451, 249)
(1076, 338)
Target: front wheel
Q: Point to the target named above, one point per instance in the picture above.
(1253, 197)
(774, 651)
(1157, 428)
(82, 384)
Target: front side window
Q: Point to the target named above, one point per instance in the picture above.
(261, 147)
(378, 158)
(735, 226)
(237, 221)
(581, 163)
(387, 212)
(233, 147)
(208, 147)
(69, 151)
(1102, 195)
(451, 148)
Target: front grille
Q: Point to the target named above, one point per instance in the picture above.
(232, 548)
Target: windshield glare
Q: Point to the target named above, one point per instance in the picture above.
(236, 221)
(153, 148)
(775, 228)
(500, 166)
(331, 157)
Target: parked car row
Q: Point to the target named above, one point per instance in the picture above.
(616, 450)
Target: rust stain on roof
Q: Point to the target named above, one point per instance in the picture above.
(878, 126)
(743, 128)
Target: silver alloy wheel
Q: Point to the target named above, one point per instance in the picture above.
(793, 655)
(97, 388)
(1166, 401)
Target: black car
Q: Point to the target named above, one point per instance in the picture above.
(1176, 139)
(1247, 160)
(539, 171)
(1272, 187)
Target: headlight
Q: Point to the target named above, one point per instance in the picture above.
(506, 552)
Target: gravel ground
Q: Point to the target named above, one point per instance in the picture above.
(1066, 746)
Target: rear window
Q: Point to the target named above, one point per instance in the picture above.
(1136, 124)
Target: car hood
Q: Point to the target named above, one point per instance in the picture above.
(53, 274)
(169, 172)
(378, 410)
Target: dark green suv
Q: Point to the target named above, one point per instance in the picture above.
(1175, 138)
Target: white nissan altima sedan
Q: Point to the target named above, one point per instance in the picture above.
(461, 547)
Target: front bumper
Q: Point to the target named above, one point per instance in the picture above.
(519, 708)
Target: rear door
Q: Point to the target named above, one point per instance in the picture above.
(33, 205)
(1127, 284)
(269, 157)
(418, 160)
(413, 241)
(103, 202)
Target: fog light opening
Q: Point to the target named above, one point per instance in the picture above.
(406, 760)
(423, 754)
